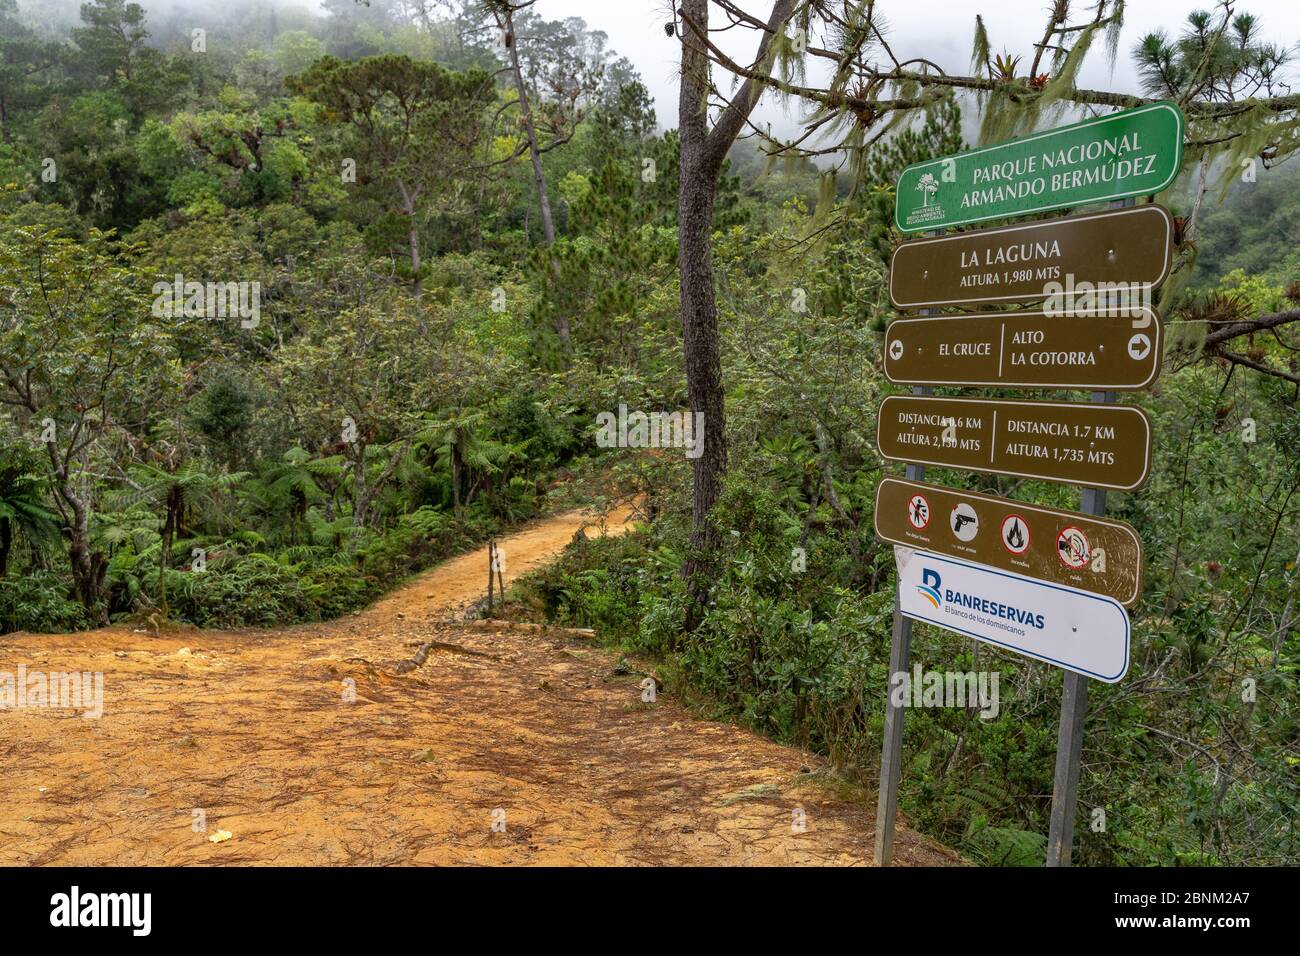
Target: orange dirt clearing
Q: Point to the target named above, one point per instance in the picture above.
(249, 733)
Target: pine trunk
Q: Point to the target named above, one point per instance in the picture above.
(703, 152)
(535, 153)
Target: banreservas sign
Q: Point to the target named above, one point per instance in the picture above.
(1082, 632)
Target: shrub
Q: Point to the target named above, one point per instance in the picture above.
(38, 602)
(253, 591)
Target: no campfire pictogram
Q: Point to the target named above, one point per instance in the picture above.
(1015, 534)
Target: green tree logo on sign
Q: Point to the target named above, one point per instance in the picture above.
(928, 186)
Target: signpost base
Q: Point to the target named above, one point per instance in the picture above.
(891, 752)
(1074, 708)
(1065, 788)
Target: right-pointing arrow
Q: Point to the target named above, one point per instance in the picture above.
(1139, 346)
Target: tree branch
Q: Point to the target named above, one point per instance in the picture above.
(1236, 329)
(729, 124)
(1238, 359)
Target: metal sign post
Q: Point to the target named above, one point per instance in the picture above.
(900, 658)
(1074, 710)
(891, 751)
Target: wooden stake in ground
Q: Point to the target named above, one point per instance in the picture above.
(499, 562)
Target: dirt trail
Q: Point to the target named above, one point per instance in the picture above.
(252, 729)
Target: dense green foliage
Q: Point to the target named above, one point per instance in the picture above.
(350, 410)
(422, 369)
(1256, 228)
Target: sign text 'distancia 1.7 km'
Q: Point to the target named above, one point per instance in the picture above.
(1105, 446)
(1135, 152)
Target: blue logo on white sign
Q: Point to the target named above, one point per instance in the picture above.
(929, 587)
(1078, 630)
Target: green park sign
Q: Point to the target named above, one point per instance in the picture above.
(1128, 153)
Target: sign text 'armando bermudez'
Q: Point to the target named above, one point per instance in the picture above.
(1133, 152)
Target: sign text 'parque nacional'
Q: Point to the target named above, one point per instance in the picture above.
(1105, 446)
(1064, 547)
(1083, 632)
(1096, 256)
(1128, 153)
(1026, 349)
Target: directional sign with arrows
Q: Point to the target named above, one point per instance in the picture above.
(1027, 349)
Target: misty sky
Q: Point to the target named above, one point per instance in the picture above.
(940, 30)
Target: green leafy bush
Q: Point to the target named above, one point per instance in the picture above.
(38, 601)
(255, 590)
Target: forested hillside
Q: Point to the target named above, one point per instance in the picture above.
(1256, 228)
(295, 302)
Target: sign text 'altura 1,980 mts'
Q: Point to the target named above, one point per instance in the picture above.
(1096, 254)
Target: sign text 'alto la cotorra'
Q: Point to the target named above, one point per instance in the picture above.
(1026, 350)
(1128, 153)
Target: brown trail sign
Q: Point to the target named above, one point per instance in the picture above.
(1063, 547)
(1121, 250)
(1107, 446)
(1026, 349)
